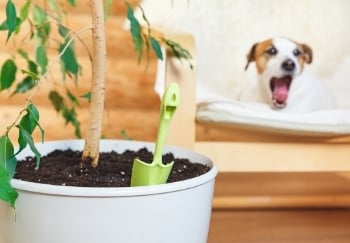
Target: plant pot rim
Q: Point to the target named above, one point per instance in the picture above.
(117, 191)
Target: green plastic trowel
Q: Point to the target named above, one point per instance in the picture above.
(156, 172)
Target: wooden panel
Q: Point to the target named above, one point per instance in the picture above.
(276, 157)
(128, 85)
(281, 190)
(139, 124)
(280, 226)
(118, 38)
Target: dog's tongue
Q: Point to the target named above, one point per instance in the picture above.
(280, 90)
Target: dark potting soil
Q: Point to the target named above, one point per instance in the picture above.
(114, 169)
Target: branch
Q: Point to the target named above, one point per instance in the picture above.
(41, 80)
(98, 68)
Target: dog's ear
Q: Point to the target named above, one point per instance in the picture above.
(307, 52)
(251, 56)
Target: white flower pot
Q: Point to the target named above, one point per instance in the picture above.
(176, 212)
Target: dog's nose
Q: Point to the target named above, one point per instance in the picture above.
(288, 65)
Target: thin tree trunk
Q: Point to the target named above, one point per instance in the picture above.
(98, 66)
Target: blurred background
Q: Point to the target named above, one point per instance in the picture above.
(132, 106)
(131, 103)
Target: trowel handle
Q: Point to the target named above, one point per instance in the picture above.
(169, 104)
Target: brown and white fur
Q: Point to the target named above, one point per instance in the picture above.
(282, 82)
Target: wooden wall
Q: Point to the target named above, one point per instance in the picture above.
(131, 103)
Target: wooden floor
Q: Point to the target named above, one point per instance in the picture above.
(281, 226)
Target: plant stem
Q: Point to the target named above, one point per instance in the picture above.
(98, 66)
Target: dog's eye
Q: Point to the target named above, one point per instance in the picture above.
(272, 51)
(296, 52)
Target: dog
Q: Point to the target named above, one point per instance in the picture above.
(283, 83)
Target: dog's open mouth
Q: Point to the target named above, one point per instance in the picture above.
(280, 88)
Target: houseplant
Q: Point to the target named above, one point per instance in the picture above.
(90, 214)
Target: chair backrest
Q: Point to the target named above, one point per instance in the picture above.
(225, 33)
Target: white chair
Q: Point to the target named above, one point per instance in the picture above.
(284, 157)
(254, 150)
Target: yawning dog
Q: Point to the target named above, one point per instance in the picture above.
(282, 81)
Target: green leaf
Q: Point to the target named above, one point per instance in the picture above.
(107, 7)
(32, 66)
(11, 18)
(55, 8)
(22, 143)
(28, 123)
(70, 116)
(7, 193)
(156, 47)
(43, 26)
(39, 15)
(63, 31)
(41, 58)
(34, 76)
(69, 60)
(56, 100)
(23, 54)
(7, 168)
(25, 11)
(31, 119)
(71, 2)
(3, 26)
(26, 127)
(87, 96)
(136, 32)
(179, 51)
(125, 135)
(7, 157)
(8, 74)
(28, 139)
(72, 98)
(33, 70)
(34, 113)
(27, 84)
